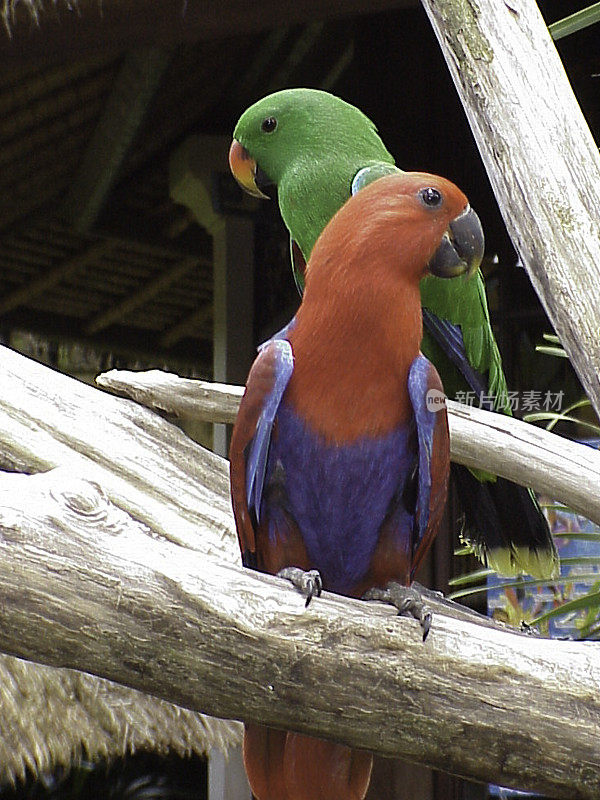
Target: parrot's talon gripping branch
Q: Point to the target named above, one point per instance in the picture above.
(406, 600)
(309, 583)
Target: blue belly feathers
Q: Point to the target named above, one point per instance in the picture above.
(338, 495)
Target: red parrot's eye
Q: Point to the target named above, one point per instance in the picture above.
(269, 124)
(431, 197)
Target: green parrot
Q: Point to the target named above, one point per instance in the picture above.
(318, 150)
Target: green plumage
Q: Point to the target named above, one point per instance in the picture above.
(318, 146)
(312, 156)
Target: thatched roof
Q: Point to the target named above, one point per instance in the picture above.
(55, 717)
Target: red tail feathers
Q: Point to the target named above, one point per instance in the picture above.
(290, 766)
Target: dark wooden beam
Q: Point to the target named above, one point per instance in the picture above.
(24, 294)
(37, 196)
(188, 326)
(297, 53)
(65, 28)
(120, 311)
(156, 247)
(140, 76)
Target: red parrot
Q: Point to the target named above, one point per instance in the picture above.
(340, 455)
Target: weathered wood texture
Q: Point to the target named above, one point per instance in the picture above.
(146, 466)
(540, 156)
(557, 467)
(164, 391)
(84, 584)
(52, 716)
(93, 577)
(531, 456)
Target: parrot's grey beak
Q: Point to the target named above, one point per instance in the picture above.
(246, 172)
(461, 249)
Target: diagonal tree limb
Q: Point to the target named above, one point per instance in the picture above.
(86, 585)
(531, 456)
(540, 157)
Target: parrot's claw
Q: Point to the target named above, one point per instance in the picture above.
(308, 583)
(406, 600)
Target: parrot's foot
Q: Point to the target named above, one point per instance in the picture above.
(406, 599)
(308, 583)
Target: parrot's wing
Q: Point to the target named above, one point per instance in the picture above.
(428, 402)
(456, 317)
(251, 438)
(449, 337)
(496, 379)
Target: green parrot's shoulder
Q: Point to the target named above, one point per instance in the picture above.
(311, 192)
(371, 172)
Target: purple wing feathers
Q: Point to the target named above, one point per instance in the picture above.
(256, 464)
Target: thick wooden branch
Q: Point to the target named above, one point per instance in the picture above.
(540, 156)
(147, 466)
(83, 584)
(183, 397)
(531, 456)
(121, 562)
(562, 470)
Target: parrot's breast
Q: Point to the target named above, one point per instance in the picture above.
(339, 496)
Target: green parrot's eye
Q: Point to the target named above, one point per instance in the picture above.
(269, 124)
(431, 197)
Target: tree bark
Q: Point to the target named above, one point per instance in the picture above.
(561, 469)
(540, 156)
(121, 562)
(83, 584)
(145, 465)
(184, 397)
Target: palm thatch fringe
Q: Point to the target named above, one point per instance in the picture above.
(10, 8)
(56, 717)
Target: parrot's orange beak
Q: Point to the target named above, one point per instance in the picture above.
(461, 248)
(244, 169)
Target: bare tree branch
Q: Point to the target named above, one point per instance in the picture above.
(183, 397)
(49, 420)
(540, 156)
(531, 456)
(147, 594)
(83, 584)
